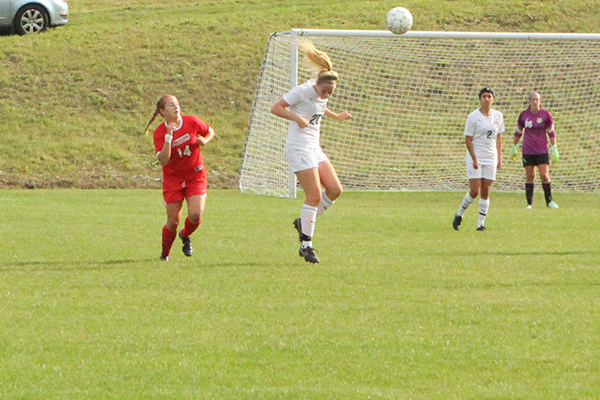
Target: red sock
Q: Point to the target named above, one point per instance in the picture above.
(168, 237)
(189, 227)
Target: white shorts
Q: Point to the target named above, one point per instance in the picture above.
(302, 159)
(483, 172)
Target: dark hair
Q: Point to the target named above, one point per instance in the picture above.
(486, 90)
(160, 104)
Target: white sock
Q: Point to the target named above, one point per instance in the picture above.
(484, 206)
(324, 204)
(467, 200)
(308, 216)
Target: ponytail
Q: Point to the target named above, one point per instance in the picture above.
(319, 61)
(160, 104)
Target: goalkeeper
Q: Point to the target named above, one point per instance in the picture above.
(534, 124)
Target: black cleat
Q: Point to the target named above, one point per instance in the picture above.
(309, 254)
(164, 258)
(298, 226)
(482, 228)
(187, 244)
(457, 221)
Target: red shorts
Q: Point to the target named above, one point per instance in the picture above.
(187, 190)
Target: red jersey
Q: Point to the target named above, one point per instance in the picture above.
(186, 163)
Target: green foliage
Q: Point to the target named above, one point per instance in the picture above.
(401, 307)
(75, 100)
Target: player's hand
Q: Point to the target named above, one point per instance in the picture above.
(301, 121)
(554, 151)
(171, 126)
(344, 115)
(513, 152)
(475, 164)
(201, 140)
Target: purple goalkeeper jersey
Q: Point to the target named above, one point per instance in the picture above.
(535, 126)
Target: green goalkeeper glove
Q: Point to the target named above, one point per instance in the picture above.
(554, 151)
(513, 152)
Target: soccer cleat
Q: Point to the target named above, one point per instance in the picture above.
(298, 226)
(164, 258)
(482, 228)
(528, 207)
(309, 254)
(187, 244)
(457, 221)
(552, 205)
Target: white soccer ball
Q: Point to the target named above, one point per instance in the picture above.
(399, 20)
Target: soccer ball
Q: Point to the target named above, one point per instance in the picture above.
(399, 20)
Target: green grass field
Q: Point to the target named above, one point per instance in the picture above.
(401, 307)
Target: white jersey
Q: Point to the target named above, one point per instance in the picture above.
(484, 131)
(304, 101)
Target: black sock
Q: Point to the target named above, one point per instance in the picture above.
(529, 192)
(547, 192)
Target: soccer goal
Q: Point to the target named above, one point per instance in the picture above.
(410, 96)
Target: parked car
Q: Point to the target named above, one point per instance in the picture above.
(32, 16)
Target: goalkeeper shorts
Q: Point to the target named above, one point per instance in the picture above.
(483, 172)
(535, 159)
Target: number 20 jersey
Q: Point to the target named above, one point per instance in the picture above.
(304, 101)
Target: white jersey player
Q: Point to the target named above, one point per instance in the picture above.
(307, 105)
(484, 155)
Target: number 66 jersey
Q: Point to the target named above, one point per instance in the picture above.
(186, 163)
(484, 131)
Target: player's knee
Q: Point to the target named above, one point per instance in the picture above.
(195, 218)
(313, 199)
(335, 192)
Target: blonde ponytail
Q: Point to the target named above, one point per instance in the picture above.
(319, 61)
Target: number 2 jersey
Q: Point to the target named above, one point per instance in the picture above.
(305, 101)
(484, 131)
(535, 127)
(186, 163)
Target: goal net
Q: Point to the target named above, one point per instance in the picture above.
(410, 95)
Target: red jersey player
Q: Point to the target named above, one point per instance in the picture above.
(177, 142)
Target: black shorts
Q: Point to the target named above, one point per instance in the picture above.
(535, 159)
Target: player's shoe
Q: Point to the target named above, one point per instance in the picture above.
(482, 228)
(187, 244)
(552, 205)
(457, 221)
(309, 254)
(298, 226)
(164, 258)
(528, 207)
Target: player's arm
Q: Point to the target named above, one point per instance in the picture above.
(280, 110)
(165, 153)
(203, 140)
(553, 147)
(499, 149)
(471, 150)
(344, 115)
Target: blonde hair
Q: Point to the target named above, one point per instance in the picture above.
(160, 105)
(319, 61)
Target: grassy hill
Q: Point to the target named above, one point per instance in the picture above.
(75, 100)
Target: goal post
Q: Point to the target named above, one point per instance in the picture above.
(410, 95)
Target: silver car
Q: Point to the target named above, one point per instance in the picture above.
(32, 16)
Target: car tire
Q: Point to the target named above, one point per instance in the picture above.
(31, 19)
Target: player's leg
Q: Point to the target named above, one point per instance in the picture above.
(310, 182)
(544, 171)
(474, 176)
(529, 184)
(169, 231)
(484, 203)
(195, 205)
(331, 183)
